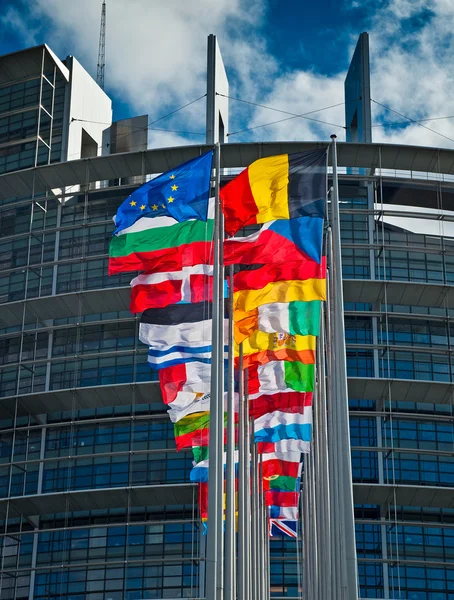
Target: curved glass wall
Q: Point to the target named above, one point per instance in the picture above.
(50, 247)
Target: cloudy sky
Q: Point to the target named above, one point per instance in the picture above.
(290, 55)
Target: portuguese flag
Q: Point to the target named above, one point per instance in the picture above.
(277, 187)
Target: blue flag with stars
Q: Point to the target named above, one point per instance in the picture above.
(181, 193)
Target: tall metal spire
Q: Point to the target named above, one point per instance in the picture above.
(102, 48)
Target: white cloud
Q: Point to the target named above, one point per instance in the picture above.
(156, 61)
(155, 51)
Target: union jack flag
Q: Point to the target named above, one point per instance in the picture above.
(283, 527)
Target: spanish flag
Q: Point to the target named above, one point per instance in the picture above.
(262, 348)
(285, 186)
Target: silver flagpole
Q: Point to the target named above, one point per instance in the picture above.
(349, 589)
(215, 554)
(221, 421)
(306, 516)
(229, 574)
(334, 501)
(255, 537)
(260, 534)
(247, 436)
(323, 485)
(314, 526)
(242, 474)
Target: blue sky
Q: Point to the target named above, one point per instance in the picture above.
(288, 54)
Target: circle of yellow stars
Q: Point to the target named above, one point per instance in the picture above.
(170, 199)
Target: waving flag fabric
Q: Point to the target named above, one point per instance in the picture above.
(187, 377)
(277, 187)
(278, 241)
(280, 376)
(187, 403)
(294, 318)
(178, 324)
(262, 348)
(288, 402)
(193, 430)
(285, 499)
(256, 279)
(280, 291)
(283, 528)
(278, 425)
(158, 290)
(281, 463)
(182, 194)
(283, 512)
(290, 445)
(176, 355)
(161, 244)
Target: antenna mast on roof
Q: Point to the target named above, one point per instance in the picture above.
(102, 48)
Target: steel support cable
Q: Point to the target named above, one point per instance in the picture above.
(285, 112)
(413, 121)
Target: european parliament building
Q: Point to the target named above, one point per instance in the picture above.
(95, 502)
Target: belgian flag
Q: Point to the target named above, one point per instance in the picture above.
(285, 186)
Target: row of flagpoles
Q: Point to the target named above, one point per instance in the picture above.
(260, 409)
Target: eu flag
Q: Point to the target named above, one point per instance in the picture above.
(181, 193)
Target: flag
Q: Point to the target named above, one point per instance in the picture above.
(175, 355)
(192, 430)
(201, 464)
(280, 291)
(263, 347)
(283, 512)
(158, 290)
(294, 318)
(187, 377)
(285, 499)
(277, 187)
(278, 425)
(280, 376)
(276, 242)
(284, 446)
(279, 463)
(186, 325)
(181, 193)
(256, 279)
(288, 402)
(187, 403)
(161, 244)
(286, 481)
(283, 528)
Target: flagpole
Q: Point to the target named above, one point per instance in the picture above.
(261, 530)
(255, 538)
(349, 589)
(230, 551)
(215, 550)
(241, 483)
(247, 458)
(323, 474)
(334, 502)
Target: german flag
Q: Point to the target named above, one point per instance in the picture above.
(285, 186)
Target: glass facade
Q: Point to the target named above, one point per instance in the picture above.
(31, 118)
(80, 420)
